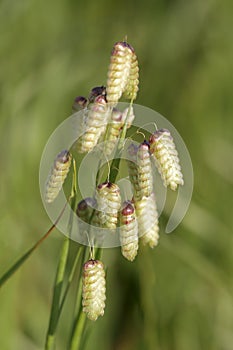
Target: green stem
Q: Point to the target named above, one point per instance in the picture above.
(71, 276)
(55, 309)
(58, 301)
(77, 337)
(114, 169)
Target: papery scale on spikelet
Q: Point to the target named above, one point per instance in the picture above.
(57, 175)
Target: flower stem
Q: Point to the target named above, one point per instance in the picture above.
(58, 301)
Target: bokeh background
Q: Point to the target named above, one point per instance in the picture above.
(180, 295)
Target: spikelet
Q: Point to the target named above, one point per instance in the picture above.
(131, 88)
(166, 157)
(93, 124)
(119, 71)
(113, 131)
(79, 104)
(140, 170)
(94, 289)
(85, 208)
(97, 91)
(108, 204)
(57, 175)
(147, 216)
(128, 231)
(145, 174)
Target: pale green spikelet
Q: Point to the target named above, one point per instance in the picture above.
(118, 72)
(128, 231)
(85, 208)
(166, 157)
(94, 289)
(131, 88)
(140, 170)
(94, 124)
(147, 217)
(108, 204)
(79, 104)
(57, 175)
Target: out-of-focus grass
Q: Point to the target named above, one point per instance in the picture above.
(180, 295)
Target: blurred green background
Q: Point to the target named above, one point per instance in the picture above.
(180, 295)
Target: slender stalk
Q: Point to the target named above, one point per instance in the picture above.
(58, 301)
(71, 276)
(77, 337)
(114, 169)
(55, 309)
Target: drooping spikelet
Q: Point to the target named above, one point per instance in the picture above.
(80, 103)
(94, 289)
(131, 88)
(147, 216)
(128, 231)
(166, 157)
(97, 91)
(108, 204)
(145, 174)
(85, 208)
(119, 71)
(140, 170)
(57, 175)
(93, 124)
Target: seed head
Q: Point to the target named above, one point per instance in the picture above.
(93, 124)
(97, 91)
(94, 289)
(119, 71)
(128, 231)
(147, 216)
(57, 175)
(166, 158)
(80, 103)
(131, 88)
(140, 170)
(108, 204)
